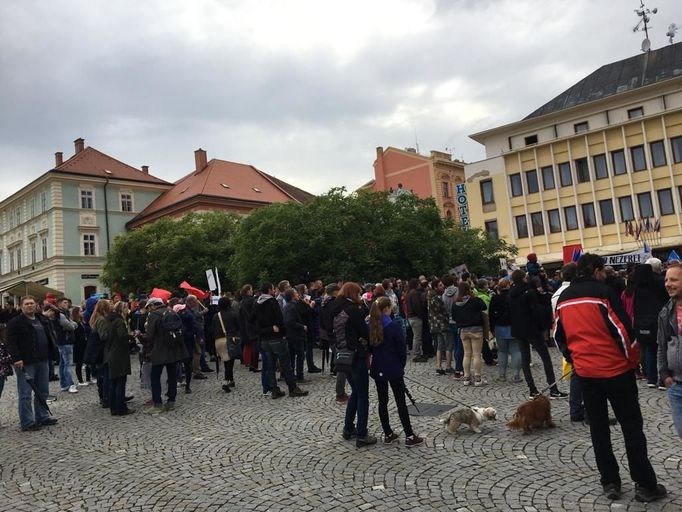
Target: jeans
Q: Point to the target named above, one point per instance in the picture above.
(621, 391)
(38, 371)
(575, 398)
(507, 346)
(297, 354)
(65, 363)
(459, 349)
(264, 379)
(398, 387)
(358, 403)
(277, 350)
(117, 395)
(416, 324)
(651, 361)
(172, 382)
(675, 398)
(541, 347)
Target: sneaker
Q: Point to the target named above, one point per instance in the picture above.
(31, 428)
(341, 399)
(267, 393)
(170, 406)
(414, 440)
(156, 409)
(368, 440)
(612, 491)
(314, 369)
(48, 422)
(558, 394)
(647, 495)
(466, 380)
(92, 381)
(128, 398)
(440, 372)
(662, 388)
(63, 390)
(534, 395)
(297, 392)
(230, 383)
(226, 388)
(390, 438)
(349, 435)
(188, 391)
(277, 393)
(72, 388)
(199, 376)
(478, 381)
(649, 385)
(83, 384)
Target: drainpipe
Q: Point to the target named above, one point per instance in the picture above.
(106, 211)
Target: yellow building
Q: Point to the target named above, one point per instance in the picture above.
(602, 157)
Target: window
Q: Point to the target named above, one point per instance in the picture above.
(491, 229)
(554, 221)
(446, 189)
(2, 261)
(86, 199)
(33, 252)
(626, 210)
(606, 209)
(17, 216)
(634, 113)
(589, 218)
(676, 145)
(43, 202)
(571, 218)
(515, 182)
(665, 201)
(126, 202)
(11, 261)
(89, 245)
(33, 207)
(19, 262)
(618, 161)
(537, 224)
(565, 177)
(531, 139)
(657, 153)
(582, 170)
(43, 246)
(638, 158)
(548, 177)
(521, 226)
(487, 196)
(601, 171)
(580, 127)
(532, 181)
(646, 208)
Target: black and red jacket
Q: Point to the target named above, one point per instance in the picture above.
(592, 330)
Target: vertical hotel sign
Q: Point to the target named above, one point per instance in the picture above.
(462, 204)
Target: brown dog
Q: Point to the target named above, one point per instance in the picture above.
(532, 414)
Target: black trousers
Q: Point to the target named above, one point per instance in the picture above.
(187, 368)
(621, 391)
(117, 395)
(398, 387)
(541, 348)
(229, 369)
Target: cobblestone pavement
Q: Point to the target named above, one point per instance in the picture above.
(242, 451)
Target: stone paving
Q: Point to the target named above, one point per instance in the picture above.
(242, 451)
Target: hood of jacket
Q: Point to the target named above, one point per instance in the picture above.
(462, 301)
(263, 297)
(450, 291)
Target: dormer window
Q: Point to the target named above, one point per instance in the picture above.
(256, 189)
(634, 113)
(224, 185)
(531, 139)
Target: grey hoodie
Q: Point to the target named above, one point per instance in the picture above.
(449, 298)
(669, 344)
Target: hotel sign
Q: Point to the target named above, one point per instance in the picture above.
(462, 204)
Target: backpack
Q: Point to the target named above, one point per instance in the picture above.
(171, 326)
(94, 349)
(339, 330)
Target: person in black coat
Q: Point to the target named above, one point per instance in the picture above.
(226, 324)
(297, 329)
(248, 330)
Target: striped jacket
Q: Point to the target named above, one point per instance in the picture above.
(592, 330)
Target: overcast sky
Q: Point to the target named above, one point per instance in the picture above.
(302, 89)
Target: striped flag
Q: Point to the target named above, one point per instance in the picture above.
(638, 230)
(657, 226)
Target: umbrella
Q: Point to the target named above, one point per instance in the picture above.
(409, 395)
(38, 395)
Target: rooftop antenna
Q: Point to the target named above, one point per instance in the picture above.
(416, 140)
(643, 24)
(672, 28)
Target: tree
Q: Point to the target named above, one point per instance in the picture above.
(165, 253)
(478, 250)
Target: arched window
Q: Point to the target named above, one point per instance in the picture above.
(448, 214)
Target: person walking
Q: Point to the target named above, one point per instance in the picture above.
(500, 324)
(29, 345)
(669, 346)
(117, 358)
(389, 355)
(592, 331)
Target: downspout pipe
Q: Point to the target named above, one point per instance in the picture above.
(106, 211)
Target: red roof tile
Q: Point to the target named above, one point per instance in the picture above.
(91, 162)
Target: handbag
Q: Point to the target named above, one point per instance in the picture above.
(227, 347)
(344, 359)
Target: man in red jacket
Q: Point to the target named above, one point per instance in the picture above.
(592, 331)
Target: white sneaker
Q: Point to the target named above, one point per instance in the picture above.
(73, 389)
(92, 381)
(466, 381)
(83, 384)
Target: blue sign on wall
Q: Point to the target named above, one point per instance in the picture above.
(463, 204)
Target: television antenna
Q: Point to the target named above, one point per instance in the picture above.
(643, 25)
(672, 28)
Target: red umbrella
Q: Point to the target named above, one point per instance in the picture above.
(200, 294)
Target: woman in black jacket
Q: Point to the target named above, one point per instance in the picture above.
(117, 359)
(226, 326)
(500, 323)
(468, 315)
(80, 341)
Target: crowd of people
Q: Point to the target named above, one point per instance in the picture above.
(612, 328)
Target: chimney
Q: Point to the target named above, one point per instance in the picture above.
(199, 159)
(58, 158)
(79, 144)
(145, 169)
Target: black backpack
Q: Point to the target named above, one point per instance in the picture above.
(94, 349)
(171, 325)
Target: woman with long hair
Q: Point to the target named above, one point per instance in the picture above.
(99, 323)
(468, 314)
(351, 333)
(389, 355)
(117, 358)
(226, 327)
(79, 344)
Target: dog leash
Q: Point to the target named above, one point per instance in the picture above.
(556, 381)
(449, 398)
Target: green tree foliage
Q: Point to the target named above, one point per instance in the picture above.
(478, 250)
(169, 251)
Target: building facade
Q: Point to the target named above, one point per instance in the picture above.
(56, 230)
(598, 166)
(434, 176)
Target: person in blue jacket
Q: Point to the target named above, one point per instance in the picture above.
(389, 355)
